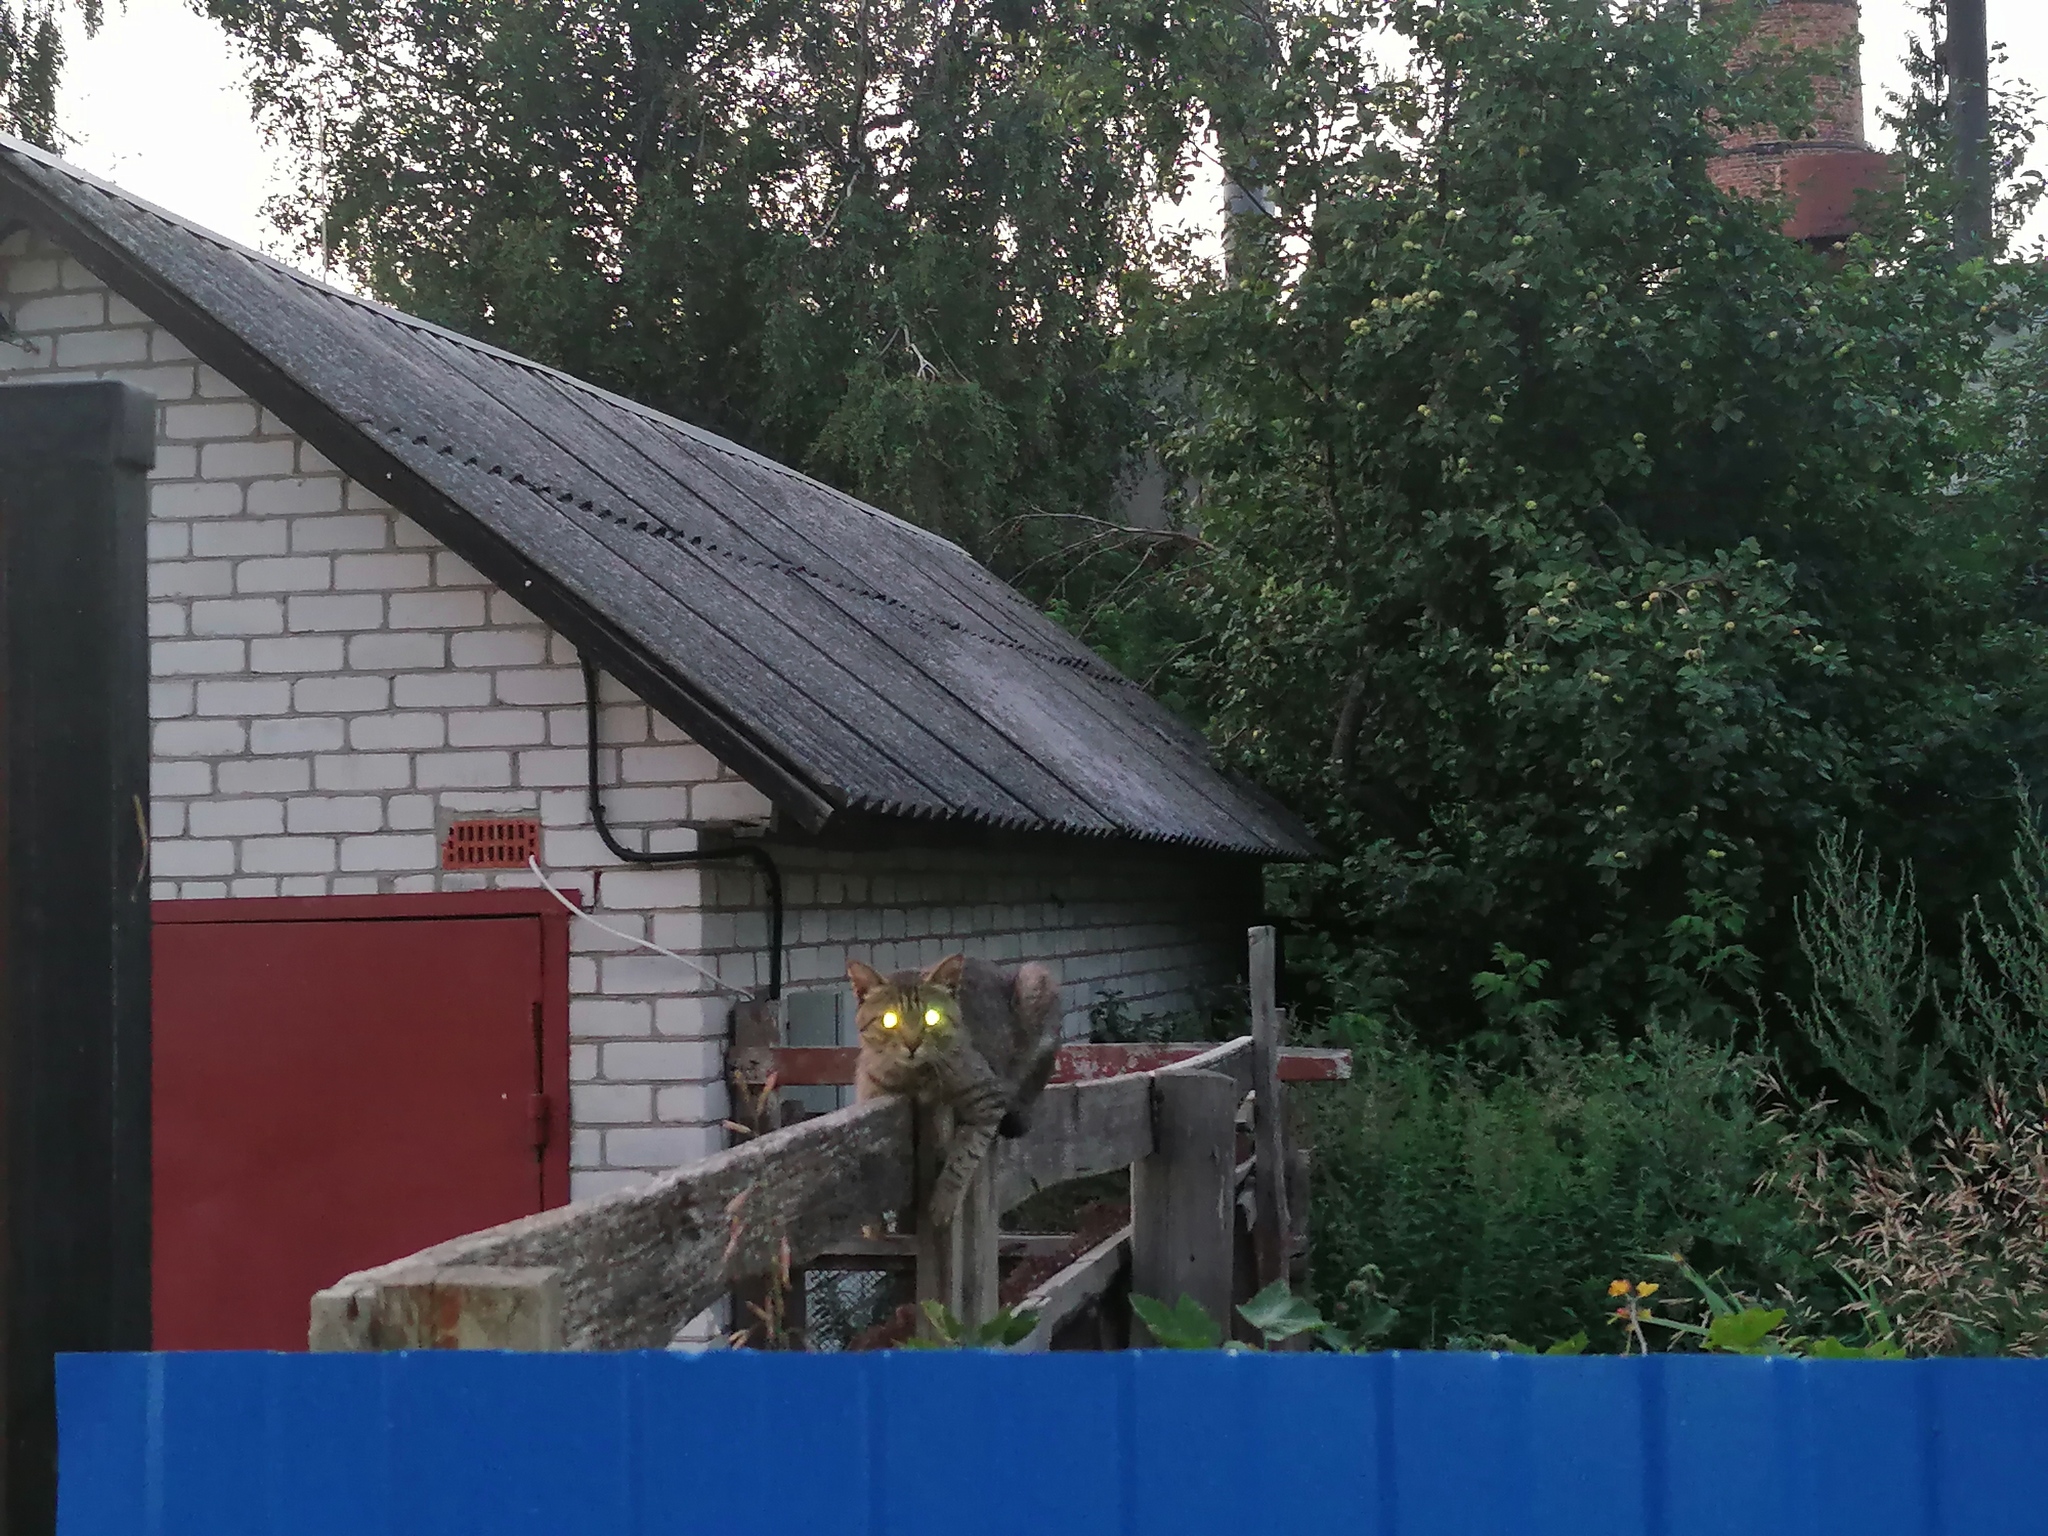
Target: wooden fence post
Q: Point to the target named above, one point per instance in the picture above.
(956, 1265)
(1181, 1196)
(1269, 1124)
(450, 1306)
(74, 904)
(752, 1305)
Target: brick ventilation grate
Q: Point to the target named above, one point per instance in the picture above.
(501, 843)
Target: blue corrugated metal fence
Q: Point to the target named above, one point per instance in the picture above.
(1135, 1444)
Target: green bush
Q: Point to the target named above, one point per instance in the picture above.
(1491, 1202)
(1576, 548)
(1494, 1193)
(1904, 1029)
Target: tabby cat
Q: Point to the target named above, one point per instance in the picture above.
(963, 1033)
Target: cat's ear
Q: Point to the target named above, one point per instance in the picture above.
(947, 972)
(865, 979)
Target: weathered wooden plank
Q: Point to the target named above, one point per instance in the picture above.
(956, 1263)
(1270, 1224)
(1182, 1195)
(1062, 1295)
(831, 1066)
(637, 1264)
(1299, 1165)
(1314, 1064)
(455, 1306)
(1233, 1059)
(1077, 1129)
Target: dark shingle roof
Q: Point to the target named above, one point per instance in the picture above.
(845, 660)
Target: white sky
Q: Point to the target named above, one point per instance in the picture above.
(156, 104)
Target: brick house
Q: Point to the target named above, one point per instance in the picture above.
(414, 599)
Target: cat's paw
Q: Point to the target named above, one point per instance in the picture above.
(945, 1205)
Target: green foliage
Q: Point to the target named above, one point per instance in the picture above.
(1577, 547)
(1215, 1013)
(999, 1332)
(1736, 1325)
(1906, 1035)
(1456, 1200)
(1279, 1315)
(880, 240)
(1923, 124)
(1873, 996)
(1184, 1325)
(32, 63)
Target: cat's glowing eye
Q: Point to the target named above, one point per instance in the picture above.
(931, 1016)
(890, 1021)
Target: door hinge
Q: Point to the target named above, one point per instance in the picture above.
(540, 1111)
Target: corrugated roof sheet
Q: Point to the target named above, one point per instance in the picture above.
(844, 659)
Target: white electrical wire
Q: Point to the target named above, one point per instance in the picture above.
(547, 885)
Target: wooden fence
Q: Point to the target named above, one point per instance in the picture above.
(1138, 1443)
(627, 1270)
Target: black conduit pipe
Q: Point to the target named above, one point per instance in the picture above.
(758, 857)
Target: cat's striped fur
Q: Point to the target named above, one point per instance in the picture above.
(964, 1033)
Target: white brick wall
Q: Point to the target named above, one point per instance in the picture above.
(328, 683)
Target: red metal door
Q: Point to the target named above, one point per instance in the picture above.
(331, 1095)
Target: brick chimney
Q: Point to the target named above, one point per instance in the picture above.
(1819, 175)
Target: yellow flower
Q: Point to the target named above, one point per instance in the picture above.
(1618, 1288)
(1648, 1288)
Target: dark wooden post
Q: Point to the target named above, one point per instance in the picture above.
(74, 904)
(1269, 1124)
(1968, 51)
(1181, 1196)
(757, 1029)
(956, 1265)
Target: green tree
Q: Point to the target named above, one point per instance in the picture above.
(1578, 546)
(32, 62)
(882, 240)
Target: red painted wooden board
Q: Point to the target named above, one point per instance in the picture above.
(799, 1066)
(331, 1095)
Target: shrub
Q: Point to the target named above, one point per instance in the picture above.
(1494, 1202)
(1576, 547)
(1953, 1244)
(1903, 1031)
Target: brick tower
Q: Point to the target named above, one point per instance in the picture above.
(1820, 175)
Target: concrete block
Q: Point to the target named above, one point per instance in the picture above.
(437, 610)
(244, 696)
(303, 498)
(309, 814)
(237, 818)
(239, 536)
(287, 573)
(298, 654)
(296, 734)
(363, 771)
(238, 616)
(346, 612)
(393, 851)
(288, 855)
(266, 776)
(198, 738)
(472, 769)
(247, 460)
